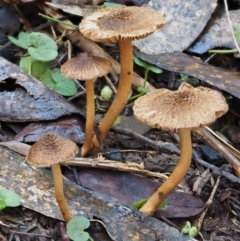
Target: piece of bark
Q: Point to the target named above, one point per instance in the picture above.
(35, 187)
(24, 98)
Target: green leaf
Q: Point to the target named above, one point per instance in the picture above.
(117, 121)
(39, 68)
(106, 93)
(11, 198)
(163, 204)
(24, 63)
(42, 47)
(140, 203)
(47, 79)
(2, 203)
(140, 62)
(22, 40)
(76, 227)
(63, 86)
(237, 35)
(155, 69)
(142, 90)
(186, 228)
(193, 232)
(146, 65)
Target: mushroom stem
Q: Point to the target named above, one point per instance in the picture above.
(124, 87)
(175, 178)
(88, 143)
(58, 187)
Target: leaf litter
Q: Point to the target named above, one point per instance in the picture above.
(198, 67)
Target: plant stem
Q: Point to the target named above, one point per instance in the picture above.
(145, 77)
(57, 21)
(58, 188)
(175, 178)
(223, 51)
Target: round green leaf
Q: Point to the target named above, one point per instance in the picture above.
(22, 40)
(42, 47)
(2, 203)
(63, 86)
(46, 79)
(11, 198)
(41, 53)
(39, 68)
(75, 228)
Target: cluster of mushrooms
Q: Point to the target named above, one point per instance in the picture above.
(179, 110)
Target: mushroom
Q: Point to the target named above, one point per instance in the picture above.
(87, 67)
(180, 110)
(50, 150)
(121, 24)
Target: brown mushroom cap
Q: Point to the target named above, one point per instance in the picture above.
(188, 107)
(86, 67)
(50, 149)
(112, 24)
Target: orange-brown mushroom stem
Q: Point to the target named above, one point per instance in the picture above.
(58, 188)
(88, 143)
(175, 178)
(124, 87)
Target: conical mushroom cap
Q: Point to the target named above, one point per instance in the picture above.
(188, 107)
(86, 67)
(112, 24)
(51, 149)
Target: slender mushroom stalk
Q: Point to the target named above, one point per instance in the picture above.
(59, 194)
(175, 178)
(87, 67)
(50, 150)
(181, 110)
(124, 87)
(122, 24)
(88, 143)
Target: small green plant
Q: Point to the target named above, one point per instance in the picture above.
(190, 230)
(8, 199)
(76, 227)
(40, 50)
(106, 93)
(140, 203)
(148, 67)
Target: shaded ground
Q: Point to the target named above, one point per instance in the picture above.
(221, 222)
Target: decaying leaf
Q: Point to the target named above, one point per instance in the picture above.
(129, 188)
(81, 10)
(23, 98)
(185, 21)
(35, 187)
(32, 132)
(184, 64)
(217, 33)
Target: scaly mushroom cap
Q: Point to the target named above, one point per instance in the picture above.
(86, 67)
(50, 149)
(188, 107)
(112, 24)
